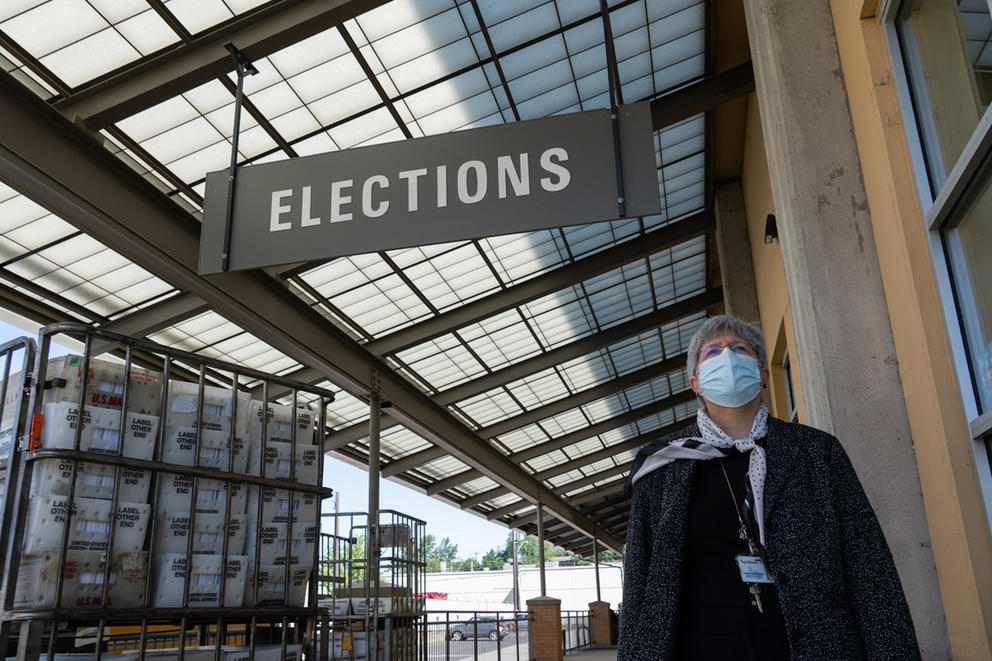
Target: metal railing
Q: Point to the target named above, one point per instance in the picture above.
(464, 635)
(391, 606)
(576, 630)
(119, 451)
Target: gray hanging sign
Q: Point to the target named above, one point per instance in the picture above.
(503, 179)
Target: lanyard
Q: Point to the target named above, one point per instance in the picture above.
(743, 533)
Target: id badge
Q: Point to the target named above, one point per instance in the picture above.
(753, 569)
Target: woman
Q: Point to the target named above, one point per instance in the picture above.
(750, 537)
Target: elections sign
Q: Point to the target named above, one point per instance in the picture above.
(470, 184)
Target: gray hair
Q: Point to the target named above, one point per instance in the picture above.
(718, 325)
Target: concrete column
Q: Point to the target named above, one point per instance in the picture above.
(844, 350)
(602, 629)
(544, 622)
(736, 267)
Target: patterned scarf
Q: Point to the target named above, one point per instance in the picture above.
(716, 444)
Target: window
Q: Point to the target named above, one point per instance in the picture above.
(790, 398)
(942, 61)
(967, 238)
(947, 51)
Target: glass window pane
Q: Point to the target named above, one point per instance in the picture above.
(967, 238)
(948, 51)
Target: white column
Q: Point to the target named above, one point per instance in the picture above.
(734, 249)
(844, 350)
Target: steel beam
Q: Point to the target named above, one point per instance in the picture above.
(611, 387)
(155, 317)
(31, 307)
(593, 479)
(64, 169)
(586, 396)
(606, 512)
(412, 461)
(560, 537)
(510, 509)
(556, 280)
(633, 415)
(602, 491)
(608, 502)
(533, 365)
(580, 347)
(578, 462)
(257, 34)
(616, 486)
(560, 534)
(702, 96)
(571, 438)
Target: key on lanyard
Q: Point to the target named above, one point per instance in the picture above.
(756, 591)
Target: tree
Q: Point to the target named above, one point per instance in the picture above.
(605, 555)
(494, 560)
(438, 555)
(358, 560)
(528, 551)
(446, 552)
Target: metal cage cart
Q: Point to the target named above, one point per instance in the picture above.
(159, 505)
(374, 618)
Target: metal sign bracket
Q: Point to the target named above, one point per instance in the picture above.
(243, 67)
(611, 58)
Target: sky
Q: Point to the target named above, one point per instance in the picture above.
(473, 534)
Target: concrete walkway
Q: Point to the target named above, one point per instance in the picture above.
(594, 654)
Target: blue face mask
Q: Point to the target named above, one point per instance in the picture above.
(730, 379)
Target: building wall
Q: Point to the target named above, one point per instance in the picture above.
(492, 590)
(944, 452)
(769, 276)
(955, 510)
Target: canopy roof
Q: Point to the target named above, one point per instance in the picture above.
(517, 368)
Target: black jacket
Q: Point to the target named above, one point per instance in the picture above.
(838, 586)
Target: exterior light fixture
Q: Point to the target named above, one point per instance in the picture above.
(771, 229)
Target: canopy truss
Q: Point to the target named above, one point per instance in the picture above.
(518, 369)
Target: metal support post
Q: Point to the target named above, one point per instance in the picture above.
(595, 556)
(516, 571)
(372, 542)
(243, 67)
(540, 547)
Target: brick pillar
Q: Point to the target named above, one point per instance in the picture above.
(545, 629)
(599, 616)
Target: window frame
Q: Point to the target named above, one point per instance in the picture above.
(790, 393)
(940, 203)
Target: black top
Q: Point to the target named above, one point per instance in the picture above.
(716, 617)
(833, 571)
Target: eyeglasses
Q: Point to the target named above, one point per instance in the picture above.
(711, 350)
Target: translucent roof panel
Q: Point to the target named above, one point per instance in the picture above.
(83, 39)
(408, 68)
(199, 15)
(76, 269)
(346, 409)
(397, 442)
(369, 292)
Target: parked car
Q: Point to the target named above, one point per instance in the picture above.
(483, 626)
(515, 621)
